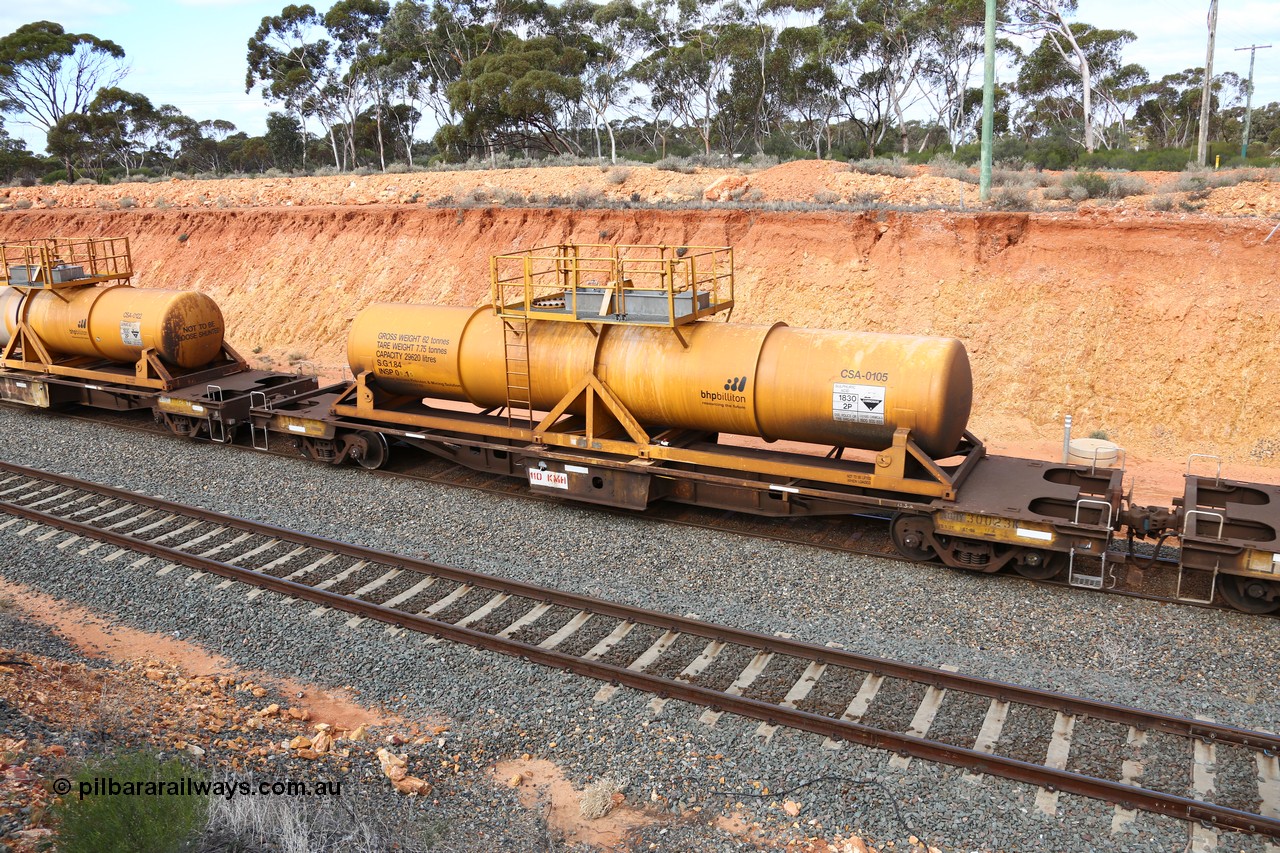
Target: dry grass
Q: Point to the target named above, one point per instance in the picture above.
(350, 822)
(597, 798)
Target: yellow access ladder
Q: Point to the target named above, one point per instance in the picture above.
(515, 352)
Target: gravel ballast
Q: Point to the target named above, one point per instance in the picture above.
(1178, 660)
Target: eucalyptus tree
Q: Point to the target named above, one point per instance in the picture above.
(127, 125)
(611, 36)
(1121, 91)
(428, 43)
(75, 140)
(952, 54)
(848, 49)
(1065, 45)
(289, 57)
(1058, 85)
(895, 41)
(1169, 113)
(514, 97)
(199, 146)
(754, 96)
(356, 78)
(688, 60)
(16, 162)
(405, 51)
(46, 72)
(806, 86)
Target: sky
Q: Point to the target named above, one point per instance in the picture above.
(191, 53)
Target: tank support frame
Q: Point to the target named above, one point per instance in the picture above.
(607, 427)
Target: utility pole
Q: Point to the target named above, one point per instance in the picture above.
(1248, 97)
(1202, 150)
(988, 103)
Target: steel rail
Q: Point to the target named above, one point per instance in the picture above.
(989, 688)
(1170, 805)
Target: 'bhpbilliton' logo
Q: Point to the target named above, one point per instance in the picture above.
(733, 392)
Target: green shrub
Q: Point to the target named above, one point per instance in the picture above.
(1123, 186)
(683, 165)
(136, 823)
(895, 167)
(1011, 198)
(762, 161)
(1192, 181)
(1083, 185)
(1013, 178)
(943, 166)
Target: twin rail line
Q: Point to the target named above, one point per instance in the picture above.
(540, 624)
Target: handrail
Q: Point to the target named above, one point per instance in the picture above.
(43, 262)
(592, 282)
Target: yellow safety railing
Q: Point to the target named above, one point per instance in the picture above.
(593, 283)
(46, 263)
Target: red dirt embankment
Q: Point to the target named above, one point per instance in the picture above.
(1160, 330)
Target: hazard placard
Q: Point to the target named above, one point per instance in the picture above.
(863, 404)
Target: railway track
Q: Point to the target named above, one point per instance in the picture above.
(1057, 742)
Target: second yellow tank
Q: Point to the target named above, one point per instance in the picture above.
(836, 388)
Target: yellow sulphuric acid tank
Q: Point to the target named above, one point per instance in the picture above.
(834, 388)
(117, 322)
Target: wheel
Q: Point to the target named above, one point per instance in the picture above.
(1038, 565)
(370, 450)
(909, 537)
(1250, 595)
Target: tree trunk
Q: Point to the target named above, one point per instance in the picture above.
(333, 142)
(613, 143)
(902, 122)
(382, 155)
(1087, 85)
(302, 132)
(1086, 81)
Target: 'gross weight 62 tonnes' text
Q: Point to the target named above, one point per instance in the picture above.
(397, 354)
